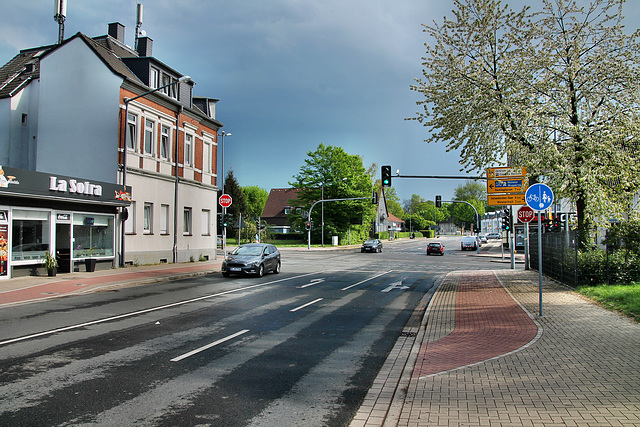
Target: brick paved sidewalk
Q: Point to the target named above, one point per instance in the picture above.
(582, 369)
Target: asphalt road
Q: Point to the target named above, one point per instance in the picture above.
(298, 348)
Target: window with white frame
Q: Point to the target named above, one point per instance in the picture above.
(148, 218)
(164, 219)
(132, 134)
(188, 150)
(206, 167)
(149, 136)
(187, 221)
(165, 142)
(154, 79)
(206, 221)
(129, 224)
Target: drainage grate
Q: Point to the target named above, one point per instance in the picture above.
(408, 334)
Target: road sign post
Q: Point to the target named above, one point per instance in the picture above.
(225, 201)
(539, 197)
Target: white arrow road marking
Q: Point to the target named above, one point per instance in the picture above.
(205, 347)
(395, 285)
(311, 283)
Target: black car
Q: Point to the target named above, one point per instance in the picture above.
(254, 258)
(371, 245)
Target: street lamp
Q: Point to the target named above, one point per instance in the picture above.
(124, 151)
(224, 209)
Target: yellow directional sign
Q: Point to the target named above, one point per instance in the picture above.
(506, 172)
(496, 186)
(506, 199)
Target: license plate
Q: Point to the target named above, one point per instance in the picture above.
(234, 269)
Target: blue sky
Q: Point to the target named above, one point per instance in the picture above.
(290, 74)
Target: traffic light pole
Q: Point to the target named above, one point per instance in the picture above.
(322, 201)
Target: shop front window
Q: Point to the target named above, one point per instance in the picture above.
(93, 235)
(30, 235)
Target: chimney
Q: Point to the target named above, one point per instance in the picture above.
(116, 30)
(145, 46)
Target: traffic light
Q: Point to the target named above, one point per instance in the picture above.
(225, 219)
(307, 225)
(386, 176)
(438, 201)
(374, 198)
(506, 220)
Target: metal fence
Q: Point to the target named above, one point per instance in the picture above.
(559, 256)
(562, 261)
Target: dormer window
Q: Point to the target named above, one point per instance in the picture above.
(287, 210)
(154, 78)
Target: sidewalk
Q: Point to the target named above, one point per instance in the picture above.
(35, 288)
(482, 357)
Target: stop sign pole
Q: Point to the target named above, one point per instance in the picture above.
(225, 201)
(525, 214)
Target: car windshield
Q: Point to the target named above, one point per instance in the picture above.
(248, 250)
(434, 245)
(370, 241)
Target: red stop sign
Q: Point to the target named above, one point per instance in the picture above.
(225, 201)
(525, 214)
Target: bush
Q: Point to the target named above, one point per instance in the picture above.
(620, 267)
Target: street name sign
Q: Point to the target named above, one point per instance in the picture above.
(506, 172)
(505, 199)
(495, 186)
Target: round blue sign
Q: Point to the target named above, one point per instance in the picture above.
(539, 197)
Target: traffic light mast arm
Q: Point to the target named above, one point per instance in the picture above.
(322, 201)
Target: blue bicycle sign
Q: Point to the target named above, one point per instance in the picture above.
(539, 197)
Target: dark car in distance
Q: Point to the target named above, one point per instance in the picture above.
(371, 245)
(435, 248)
(253, 258)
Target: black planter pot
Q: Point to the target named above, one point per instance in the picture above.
(51, 272)
(90, 264)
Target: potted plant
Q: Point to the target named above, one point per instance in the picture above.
(90, 263)
(51, 264)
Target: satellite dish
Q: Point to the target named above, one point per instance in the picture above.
(143, 33)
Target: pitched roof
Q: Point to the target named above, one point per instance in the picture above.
(278, 199)
(25, 66)
(20, 70)
(394, 218)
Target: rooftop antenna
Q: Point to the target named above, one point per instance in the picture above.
(138, 24)
(59, 15)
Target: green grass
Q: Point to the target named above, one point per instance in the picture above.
(622, 298)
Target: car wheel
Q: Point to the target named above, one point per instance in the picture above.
(277, 269)
(225, 274)
(260, 272)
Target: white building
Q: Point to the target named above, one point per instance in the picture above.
(62, 113)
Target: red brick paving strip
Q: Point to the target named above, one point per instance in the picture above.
(70, 286)
(488, 323)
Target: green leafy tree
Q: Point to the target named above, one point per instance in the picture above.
(472, 193)
(332, 172)
(239, 204)
(256, 199)
(554, 90)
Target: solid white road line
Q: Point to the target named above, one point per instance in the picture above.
(148, 310)
(365, 280)
(213, 344)
(305, 305)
